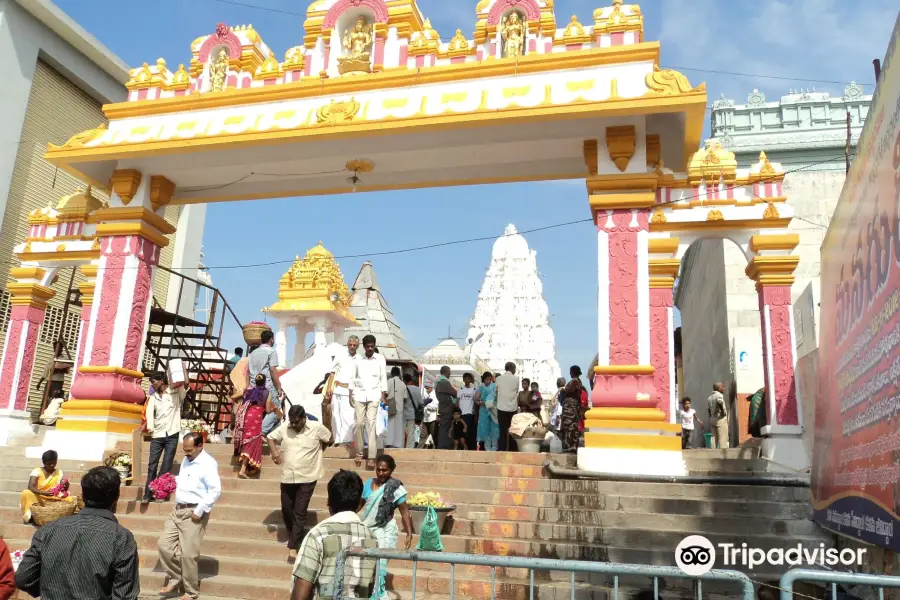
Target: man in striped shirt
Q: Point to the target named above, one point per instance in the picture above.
(314, 570)
(87, 556)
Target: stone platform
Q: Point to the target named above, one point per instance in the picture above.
(506, 505)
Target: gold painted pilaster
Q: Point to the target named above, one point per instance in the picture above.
(772, 270)
(29, 294)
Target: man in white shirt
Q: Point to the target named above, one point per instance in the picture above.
(507, 404)
(164, 424)
(466, 401)
(199, 486)
(370, 393)
(339, 392)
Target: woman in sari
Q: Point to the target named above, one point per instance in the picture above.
(488, 425)
(42, 484)
(384, 495)
(248, 427)
(570, 423)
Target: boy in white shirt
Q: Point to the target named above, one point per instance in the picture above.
(687, 416)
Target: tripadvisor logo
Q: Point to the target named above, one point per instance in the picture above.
(695, 555)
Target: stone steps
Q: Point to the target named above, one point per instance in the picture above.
(507, 508)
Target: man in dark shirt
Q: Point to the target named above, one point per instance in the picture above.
(446, 395)
(87, 556)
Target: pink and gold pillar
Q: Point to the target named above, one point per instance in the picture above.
(772, 268)
(106, 395)
(663, 272)
(29, 304)
(626, 430)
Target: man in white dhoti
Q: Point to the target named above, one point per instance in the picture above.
(339, 390)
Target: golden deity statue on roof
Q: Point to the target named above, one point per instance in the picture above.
(513, 33)
(218, 71)
(356, 44)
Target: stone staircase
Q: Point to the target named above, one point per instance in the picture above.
(506, 505)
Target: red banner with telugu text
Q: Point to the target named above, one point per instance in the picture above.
(856, 451)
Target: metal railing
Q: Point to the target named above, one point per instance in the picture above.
(835, 578)
(204, 357)
(614, 570)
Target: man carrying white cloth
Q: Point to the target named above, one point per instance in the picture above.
(339, 391)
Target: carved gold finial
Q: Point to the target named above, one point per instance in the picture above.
(459, 41)
(765, 167)
(715, 215)
(574, 28)
(771, 212)
(658, 216)
(181, 76)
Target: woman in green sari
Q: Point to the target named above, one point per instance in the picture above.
(384, 495)
(757, 417)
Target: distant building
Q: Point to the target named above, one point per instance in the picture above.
(56, 76)
(805, 131)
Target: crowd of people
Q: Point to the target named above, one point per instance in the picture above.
(442, 416)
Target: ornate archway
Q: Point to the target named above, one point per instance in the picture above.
(418, 112)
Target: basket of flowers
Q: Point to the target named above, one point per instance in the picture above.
(44, 512)
(121, 462)
(195, 426)
(253, 332)
(419, 504)
(162, 487)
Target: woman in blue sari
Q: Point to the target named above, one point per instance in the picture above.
(488, 425)
(384, 495)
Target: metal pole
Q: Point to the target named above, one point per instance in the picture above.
(847, 149)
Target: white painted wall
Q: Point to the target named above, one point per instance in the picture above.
(186, 260)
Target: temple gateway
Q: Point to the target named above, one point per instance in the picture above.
(374, 89)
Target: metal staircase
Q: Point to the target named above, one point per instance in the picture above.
(199, 345)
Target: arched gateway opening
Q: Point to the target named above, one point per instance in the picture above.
(374, 99)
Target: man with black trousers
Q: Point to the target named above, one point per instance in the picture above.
(164, 424)
(446, 395)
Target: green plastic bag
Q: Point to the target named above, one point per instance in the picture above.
(430, 535)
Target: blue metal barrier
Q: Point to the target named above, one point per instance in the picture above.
(834, 578)
(540, 564)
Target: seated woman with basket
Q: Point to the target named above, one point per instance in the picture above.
(46, 485)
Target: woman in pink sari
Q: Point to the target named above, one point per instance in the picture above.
(248, 427)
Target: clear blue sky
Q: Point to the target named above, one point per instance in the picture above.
(431, 290)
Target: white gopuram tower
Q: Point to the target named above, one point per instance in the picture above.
(511, 321)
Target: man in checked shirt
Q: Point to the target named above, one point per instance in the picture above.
(87, 556)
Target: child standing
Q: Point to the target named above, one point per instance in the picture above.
(460, 430)
(465, 397)
(688, 417)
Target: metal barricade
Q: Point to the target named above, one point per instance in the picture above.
(615, 570)
(834, 578)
